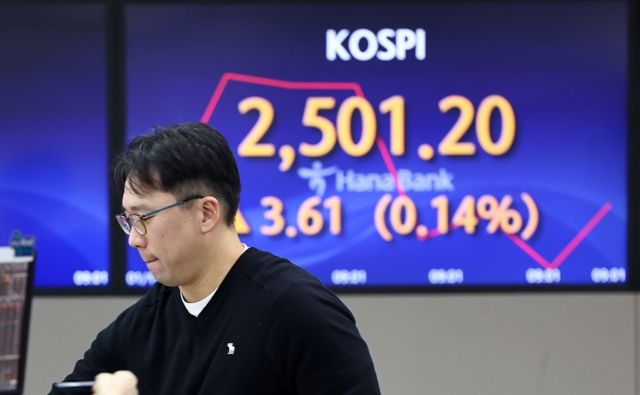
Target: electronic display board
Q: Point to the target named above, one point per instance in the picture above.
(53, 150)
(467, 144)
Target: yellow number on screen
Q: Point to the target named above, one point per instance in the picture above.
(400, 204)
(508, 131)
(310, 221)
(441, 204)
(335, 213)
(465, 215)
(451, 144)
(250, 146)
(312, 119)
(274, 214)
(345, 136)
(395, 106)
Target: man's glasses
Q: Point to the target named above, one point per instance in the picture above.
(136, 221)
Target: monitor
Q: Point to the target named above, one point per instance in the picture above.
(53, 139)
(477, 144)
(16, 284)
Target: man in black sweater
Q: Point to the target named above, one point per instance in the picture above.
(223, 318)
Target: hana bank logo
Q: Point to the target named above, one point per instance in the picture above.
(351, 181)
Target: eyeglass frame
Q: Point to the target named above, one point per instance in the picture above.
(127, 219)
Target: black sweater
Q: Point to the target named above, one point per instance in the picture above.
(271, 328)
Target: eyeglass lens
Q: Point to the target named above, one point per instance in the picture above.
(134, 221)
(124, 223)
(138, 224)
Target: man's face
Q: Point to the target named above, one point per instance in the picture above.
(170, 246)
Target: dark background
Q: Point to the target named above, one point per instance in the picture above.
(109, 17)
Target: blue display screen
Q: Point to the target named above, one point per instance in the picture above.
(53, 154)
(406, 145)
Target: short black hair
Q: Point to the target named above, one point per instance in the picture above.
(184, 160)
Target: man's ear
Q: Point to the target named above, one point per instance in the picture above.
(211, 213)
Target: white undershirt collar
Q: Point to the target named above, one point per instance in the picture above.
(196, 308)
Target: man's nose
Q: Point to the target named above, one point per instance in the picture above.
(136, 240)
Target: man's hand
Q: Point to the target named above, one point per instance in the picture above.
(122, 382)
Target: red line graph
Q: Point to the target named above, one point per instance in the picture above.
(569, 247)
(388, 161)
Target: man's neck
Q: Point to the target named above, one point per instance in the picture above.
(221, 259)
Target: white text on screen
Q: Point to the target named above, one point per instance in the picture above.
(379, 45)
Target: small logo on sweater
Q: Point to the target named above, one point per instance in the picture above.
(232, 349)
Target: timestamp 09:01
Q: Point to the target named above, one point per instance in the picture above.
(599, 275)
(359, 277)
